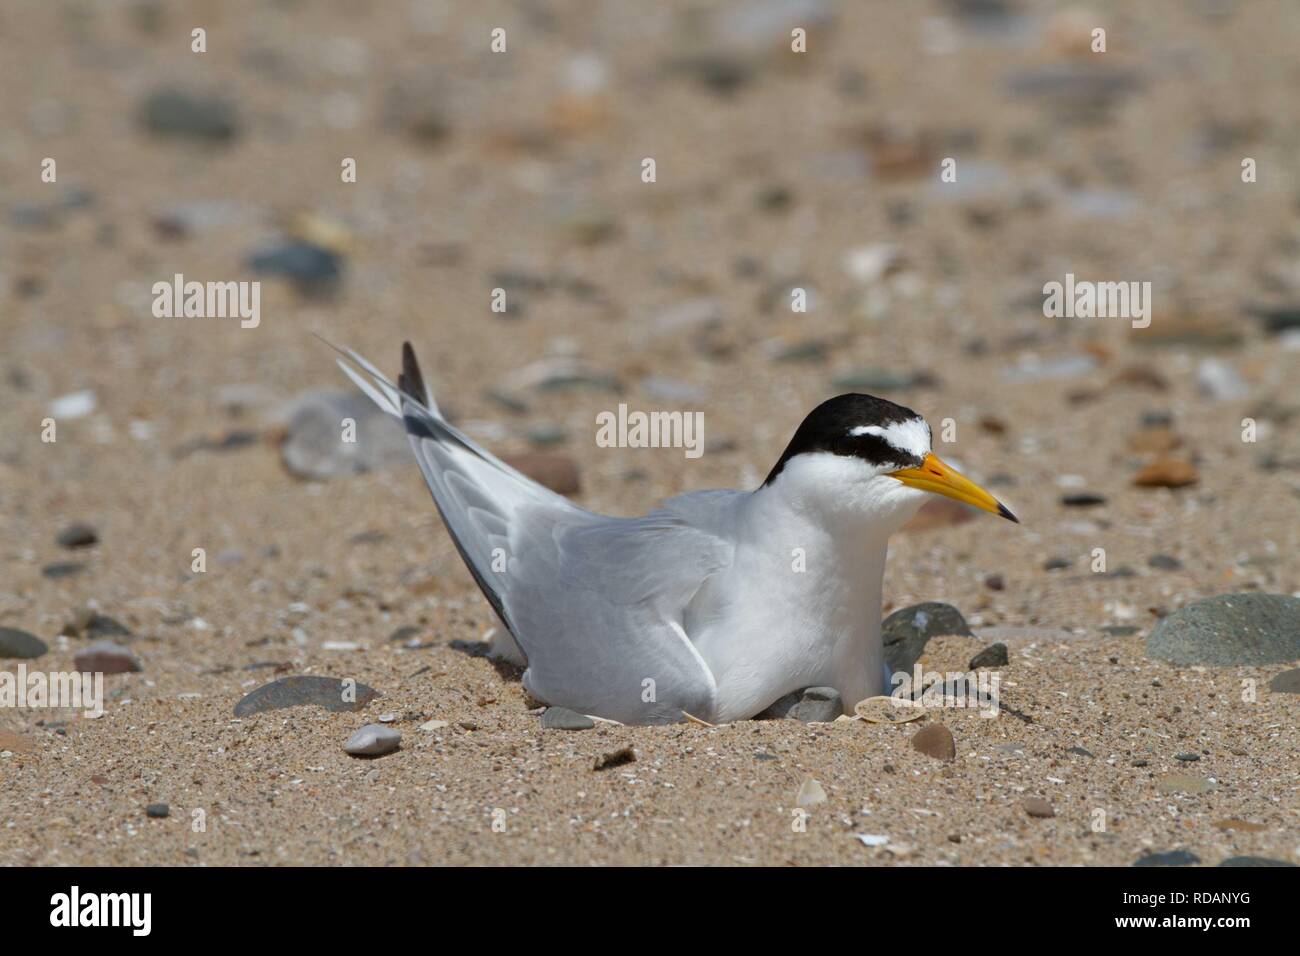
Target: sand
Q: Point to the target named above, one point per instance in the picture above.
(758, 190)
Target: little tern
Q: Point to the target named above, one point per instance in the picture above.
(716, 604)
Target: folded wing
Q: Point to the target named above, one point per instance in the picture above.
(595, 604)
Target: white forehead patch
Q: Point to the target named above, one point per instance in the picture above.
(911, 436)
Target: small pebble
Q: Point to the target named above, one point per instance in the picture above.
(561, 718)
(158, 811)
(19, 644)
(105, 657)
(73, 405)
(78, 535)
(810, 793)
(614, 758)
(1287, 682)
(373, 740)
(1254, 861)
(1083, 499)
(1038, 807)
(935, 741)
(1167, 473)
(328, 692)
(1170, 858)
(62, 569)
(995, 655)
(184, 115)
(810, 705)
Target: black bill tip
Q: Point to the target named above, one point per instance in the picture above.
(1006, 513)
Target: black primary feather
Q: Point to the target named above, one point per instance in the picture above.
(410, 380)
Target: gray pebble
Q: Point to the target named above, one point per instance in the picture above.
(1229, 630)
(158, 811)
(906, 632)
(1170, 858)
(1254, 861)
(303, 689)
(995, 655)
(1083, 499)
(373, 740)
(19, 644)
(313, 270)
(78, 535)
(561, 718)
(179, 114)
(1287, 682)
(62, 569)
(812, 705)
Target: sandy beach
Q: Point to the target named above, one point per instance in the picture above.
(227, 542)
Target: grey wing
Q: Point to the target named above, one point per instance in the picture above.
(599, 604)
(596, 604)
(477, 494)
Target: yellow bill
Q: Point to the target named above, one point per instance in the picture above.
(942, 479)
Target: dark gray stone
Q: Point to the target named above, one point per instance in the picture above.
(1120, 630)
(158, 811)
(906, 632)
(561, 718)
(810, 705)
(1254, 861)
(19, 644)
(1157, 418)
(182, 115)
(1279, 319)
(1230, 629)
(995, 655)
(1164, 562)
(102, 626)
(1287, 682)
(1169, 858)
(312, 269)
(62, 569)
(1083, 499)
(304, 689)
(78, 535)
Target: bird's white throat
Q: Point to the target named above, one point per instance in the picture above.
(810, 561)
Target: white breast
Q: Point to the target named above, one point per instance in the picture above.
(800, 606)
